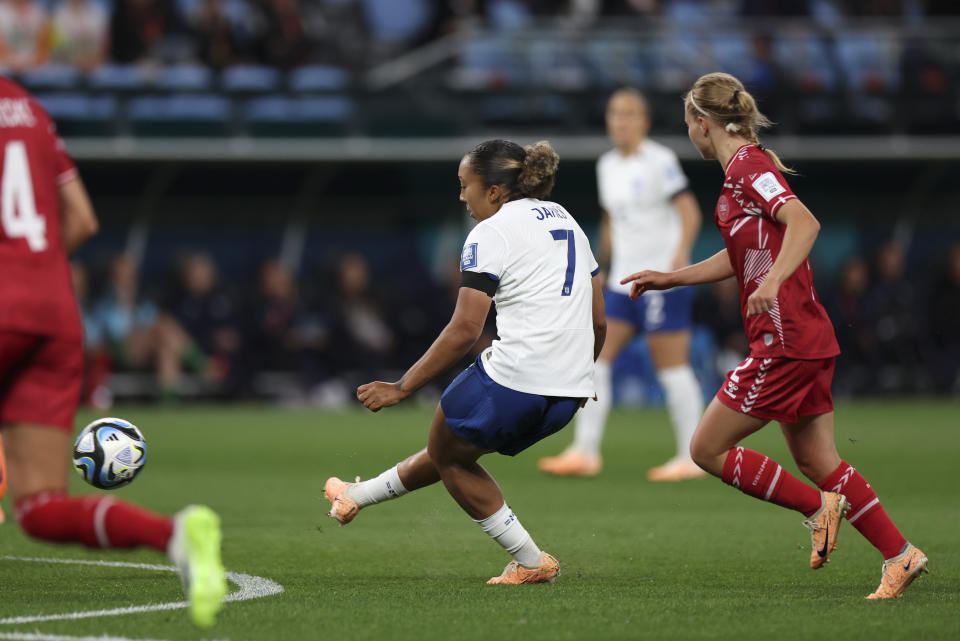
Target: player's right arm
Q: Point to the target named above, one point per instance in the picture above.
(78, 220)
(711, 270)
(454, 342)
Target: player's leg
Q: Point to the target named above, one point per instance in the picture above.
(36, 416)
(583, 458)
(714, 448)
(413, 473)
(474, 490)
(38, 466)
(670, 351)
(666, 321)
(812, 444)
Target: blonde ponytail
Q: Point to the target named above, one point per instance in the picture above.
(723, 99)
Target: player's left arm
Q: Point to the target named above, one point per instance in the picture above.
(78, 220)
(802, 230)
(690, 220)
(454, 342)
(599, 316)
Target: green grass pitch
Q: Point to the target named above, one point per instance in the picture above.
(697, 560)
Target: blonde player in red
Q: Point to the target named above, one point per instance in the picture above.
(768, 234)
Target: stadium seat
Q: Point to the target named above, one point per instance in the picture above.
(732, 53)
(117, 77)
(299, 116)
(807, 56)
(184, 78)
(51, 77)
(80, 114)
(678, 58)
(686, 14)
(316, 78)
(249, 79)
(75, 106)
(180, 115)
(618, 62)
(869, 61)
(525, 109)
(487, 63)
(392, 21)
(556, 65)
(509, 15)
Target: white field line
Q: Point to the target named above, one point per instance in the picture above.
(41, 636)
(250, 587)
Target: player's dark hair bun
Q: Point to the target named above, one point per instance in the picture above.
(526, 172)
(539, 170)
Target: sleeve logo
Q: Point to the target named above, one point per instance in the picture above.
(768, 186)
(469, 257)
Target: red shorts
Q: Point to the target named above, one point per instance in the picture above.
(40, 379)
(779, 389)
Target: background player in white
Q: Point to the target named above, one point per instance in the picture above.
(532, 259)
(650, 217)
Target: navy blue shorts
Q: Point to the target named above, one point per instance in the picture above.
(656, 311)
(494, 417)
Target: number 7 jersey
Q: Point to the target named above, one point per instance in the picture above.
(35, 288)
(543, 265)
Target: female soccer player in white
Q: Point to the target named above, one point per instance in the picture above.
(650, 221)
(768, 235)
(530, 257)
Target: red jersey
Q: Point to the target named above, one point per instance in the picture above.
(36, 295)
(797, 327)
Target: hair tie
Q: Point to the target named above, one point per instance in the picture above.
(736, 92)
(760, 147)
(732, 127)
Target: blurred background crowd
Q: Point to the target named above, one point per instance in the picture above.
(312, 340)
(234, 265)
(352, 33)
(326, 67)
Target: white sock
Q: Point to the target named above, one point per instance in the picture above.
(385, 487)
(684, 404)
(592, 419)
(504, 528)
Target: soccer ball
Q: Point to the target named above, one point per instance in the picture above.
(109, 453)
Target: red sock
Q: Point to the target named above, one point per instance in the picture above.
(762, 477)
(866, 514)
(95, 521)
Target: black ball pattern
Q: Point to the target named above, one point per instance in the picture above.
(109, 453)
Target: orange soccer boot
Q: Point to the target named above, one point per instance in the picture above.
(571, 463)
(515, 574)
(899, 572)
(341, 508)
(823, 526)
(675, 469)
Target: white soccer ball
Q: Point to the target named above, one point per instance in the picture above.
(109, 453)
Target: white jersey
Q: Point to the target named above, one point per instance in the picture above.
(637, 191)
(544, 299)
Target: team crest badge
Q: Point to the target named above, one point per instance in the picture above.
(723, 209)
